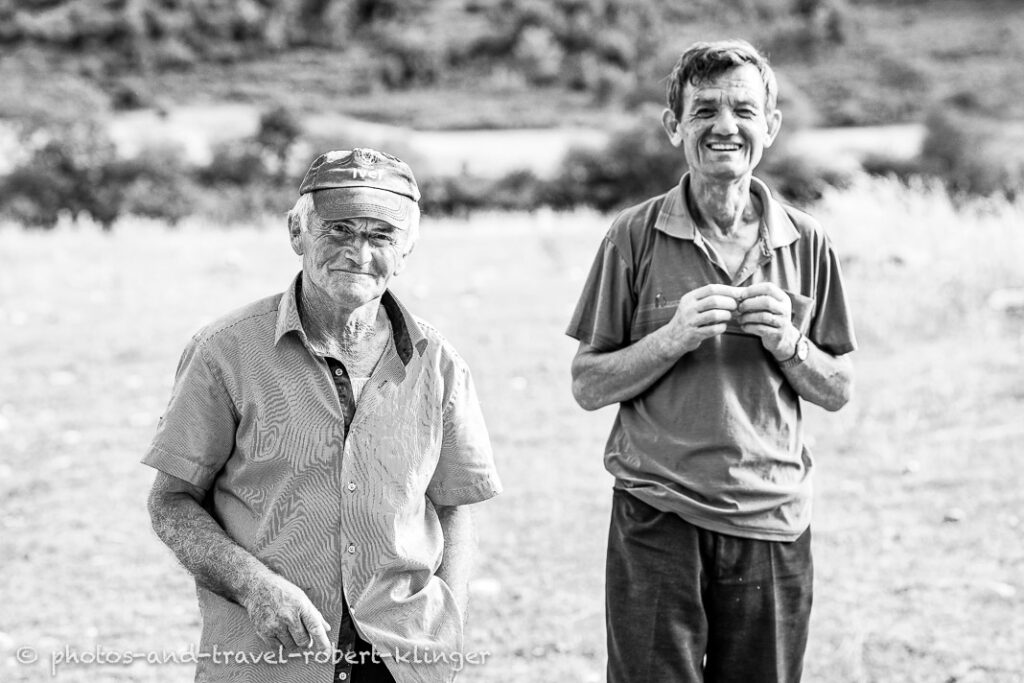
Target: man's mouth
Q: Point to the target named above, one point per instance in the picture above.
(723, 146)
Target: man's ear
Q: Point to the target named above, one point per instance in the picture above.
(400, 266)
(671, 124)
(295, 232)
(774, 124)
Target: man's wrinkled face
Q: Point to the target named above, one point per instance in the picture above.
(724, 127)
(353, 259)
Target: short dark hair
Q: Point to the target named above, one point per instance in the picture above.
(703, 61)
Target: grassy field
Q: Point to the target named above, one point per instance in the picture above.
(919, 497)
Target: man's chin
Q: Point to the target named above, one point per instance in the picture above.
(723, 173)
(353, 297)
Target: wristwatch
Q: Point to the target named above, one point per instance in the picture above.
(803, 347)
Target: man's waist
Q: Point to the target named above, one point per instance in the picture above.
(746, 500)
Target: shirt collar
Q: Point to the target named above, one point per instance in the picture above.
(406, 331)
(674, 218)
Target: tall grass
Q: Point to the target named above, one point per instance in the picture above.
(921, 263)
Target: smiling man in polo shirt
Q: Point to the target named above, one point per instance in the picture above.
(710, 312)
(318, 454)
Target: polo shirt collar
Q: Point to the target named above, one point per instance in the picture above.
(406, 331)
(675, 219)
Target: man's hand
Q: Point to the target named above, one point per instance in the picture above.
(766, 311)
(701, 314)
(279, 610)
(282, 614)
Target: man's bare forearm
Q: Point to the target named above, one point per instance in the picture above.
(281, 613)
(459, 551)
(600, 378)
(200, 544)
(823, 379)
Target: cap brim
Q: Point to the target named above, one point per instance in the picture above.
(364, 202)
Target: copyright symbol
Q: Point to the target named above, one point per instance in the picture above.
(26, 655)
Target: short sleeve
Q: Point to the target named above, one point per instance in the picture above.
(465, 471)
(605, 309)
(196, 434)
(832, 327)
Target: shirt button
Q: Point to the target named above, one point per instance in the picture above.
(339, 372)
(351, 486)
(343, 676)
(351, 548)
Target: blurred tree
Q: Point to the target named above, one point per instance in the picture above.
(278, 131)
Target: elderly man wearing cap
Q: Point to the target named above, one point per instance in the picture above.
(317, 455)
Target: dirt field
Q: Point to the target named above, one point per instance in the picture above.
(919, 541)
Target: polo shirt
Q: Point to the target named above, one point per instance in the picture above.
(718, 438)
(255, 420)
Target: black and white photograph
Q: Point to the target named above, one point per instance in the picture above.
(489, 341)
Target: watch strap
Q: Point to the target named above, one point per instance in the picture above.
(796, 358)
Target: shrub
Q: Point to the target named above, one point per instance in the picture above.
(517, 191)
(278, 131)
(461, 195)
(973, 151)
(77, 171)
(899, 168)
(539, 55)
(129, 93)
(805, 28)
(234, 163)
(453, 196)
(799, 180)
(233, 204)
(66, 173)
(157, 183)
(410, 57)
(637, 163)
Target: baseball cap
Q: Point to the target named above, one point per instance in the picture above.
(362, 183)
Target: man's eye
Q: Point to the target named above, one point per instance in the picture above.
(747, 113)
(382, 238)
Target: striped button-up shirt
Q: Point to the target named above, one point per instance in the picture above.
(255, 419)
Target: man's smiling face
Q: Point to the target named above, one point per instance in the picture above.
(352, 260)
(724, 128)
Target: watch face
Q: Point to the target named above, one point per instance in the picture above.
(803, 347)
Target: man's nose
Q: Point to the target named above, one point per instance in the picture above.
(358, 250)
(725, 123)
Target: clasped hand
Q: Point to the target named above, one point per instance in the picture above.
(763, 310)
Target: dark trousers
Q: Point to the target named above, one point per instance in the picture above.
(363, 666)
(688, 605)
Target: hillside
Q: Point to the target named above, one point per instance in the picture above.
(497, 63)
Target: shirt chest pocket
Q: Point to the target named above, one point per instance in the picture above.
(803, 310)
(650, 317)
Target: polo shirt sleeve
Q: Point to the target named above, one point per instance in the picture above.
(605, 309)
(832, 326)
(465, 471)
(196, 434)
